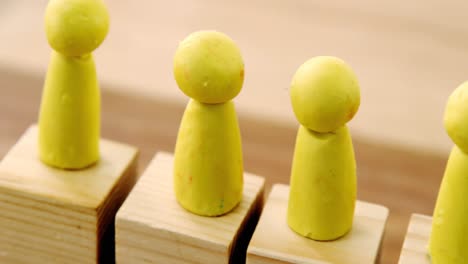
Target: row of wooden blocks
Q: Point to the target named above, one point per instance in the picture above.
(56, 216)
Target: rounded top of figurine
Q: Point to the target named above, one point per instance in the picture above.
(76, 27)
(324, 94)
(208, 67)
(456, 116)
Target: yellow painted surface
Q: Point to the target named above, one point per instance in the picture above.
(76, 27)
(449, 236)
(323, 184)
(455, 117)
(208, 164)
(208, 67)
(69, 119)
(325, 94)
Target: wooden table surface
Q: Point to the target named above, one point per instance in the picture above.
(404, 181)
(408, 55)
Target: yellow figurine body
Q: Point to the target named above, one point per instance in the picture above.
(449, 236)
(69, 118)
(208, 166)
(325, 96)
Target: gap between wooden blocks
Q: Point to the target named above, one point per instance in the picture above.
(415, 246)
(151, 227)
(274, 242)
(61, 216)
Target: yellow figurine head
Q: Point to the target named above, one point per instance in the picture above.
(208, 67)
(324, 94)
(76, 27)
(456, 117)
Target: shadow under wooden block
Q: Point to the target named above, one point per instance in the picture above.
(49, 215)
(151, 227)
(273, 242)
(415, 247)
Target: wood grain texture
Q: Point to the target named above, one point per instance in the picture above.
(386, 174)
(417, 240)
(274, 242)
(61, 216)
(151, 227)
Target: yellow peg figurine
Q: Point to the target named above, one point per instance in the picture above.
(208, 166)
(449, 236)
(325, 96)
(69, 119)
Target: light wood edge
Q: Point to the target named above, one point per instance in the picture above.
(412, 229)
(259, 256)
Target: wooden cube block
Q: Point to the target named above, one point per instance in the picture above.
(415, 247)
(151, 227)
(273, 242)
(49, 215)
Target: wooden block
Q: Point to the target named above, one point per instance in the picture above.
(273, 242)
(151, 227)
(50, 215)
(415, 247)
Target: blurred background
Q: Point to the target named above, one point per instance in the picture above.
(408, 56)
